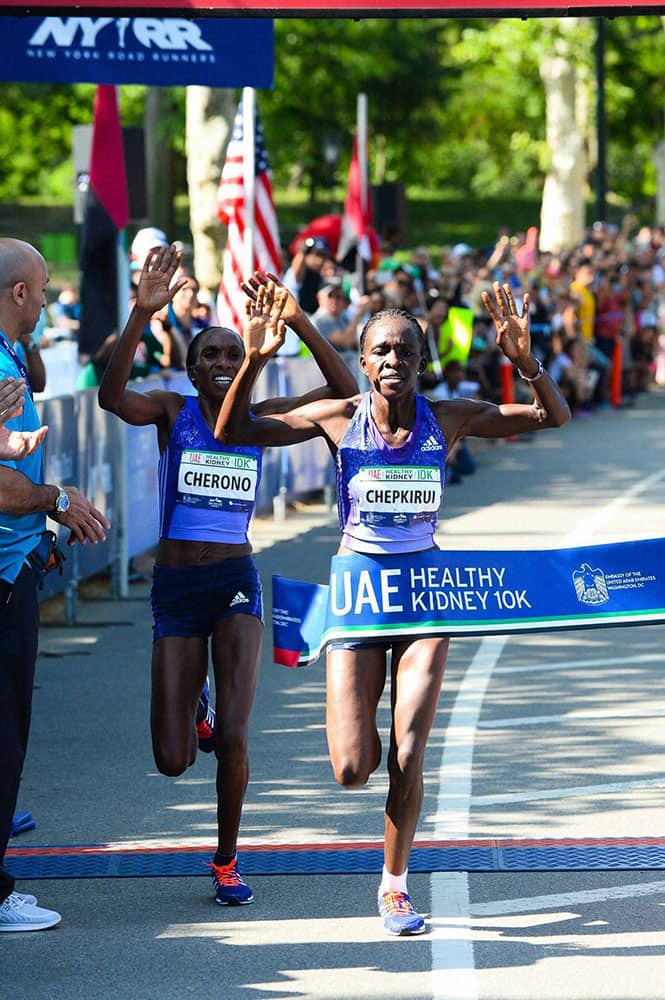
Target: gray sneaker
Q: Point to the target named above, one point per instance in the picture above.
(27, 897)
(17, 914)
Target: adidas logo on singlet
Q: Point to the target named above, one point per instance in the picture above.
(432, 444)
(239, 599)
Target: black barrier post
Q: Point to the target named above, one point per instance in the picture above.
(601, 128)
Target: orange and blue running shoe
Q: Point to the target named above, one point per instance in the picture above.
(230, 890)
(399, 916)
(206, 721)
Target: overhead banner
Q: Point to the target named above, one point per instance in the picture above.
(402, 597)
(156, 51)
(340, 8)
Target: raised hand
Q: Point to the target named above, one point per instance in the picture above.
(155, 289)
(512, 328)
(265, 330)
(290, 311)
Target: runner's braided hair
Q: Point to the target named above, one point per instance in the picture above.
(395, 313)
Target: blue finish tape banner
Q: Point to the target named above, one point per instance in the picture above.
(388, 598)
(157, 51)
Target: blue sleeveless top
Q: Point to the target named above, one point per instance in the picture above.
(207, 492)
(388, 498)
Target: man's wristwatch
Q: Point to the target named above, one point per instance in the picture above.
(61, 501)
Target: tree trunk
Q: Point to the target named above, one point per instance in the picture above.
(659, 162)
(210, 114)
(158, 159)
(562, 210)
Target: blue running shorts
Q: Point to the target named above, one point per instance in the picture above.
(191, 600)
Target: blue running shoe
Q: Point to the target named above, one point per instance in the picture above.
(399, 916)
(230, 890)
(206, 721)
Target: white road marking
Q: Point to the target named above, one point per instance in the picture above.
(649, 711)
(532, 904)
(608, 661)
(453, 965)
(591, 524)
(506, 798)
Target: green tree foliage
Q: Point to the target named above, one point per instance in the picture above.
(635, 67)
(322, 65)
(458, 104)
(455, 105)
(36, 123)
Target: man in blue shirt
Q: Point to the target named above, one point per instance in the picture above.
(25, 499)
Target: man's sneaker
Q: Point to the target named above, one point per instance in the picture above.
(206, 721)
(17, 914)
(27, 897)
(230, 890)
(399, 916)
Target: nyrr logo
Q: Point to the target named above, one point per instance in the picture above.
(166, 34)
(590, 585)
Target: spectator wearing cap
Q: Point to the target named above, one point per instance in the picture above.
(303, 278)
(162, 344)
(144, 241)
(331, 319)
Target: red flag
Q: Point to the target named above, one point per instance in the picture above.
(357, 211)
(106, 213)
(231, 211)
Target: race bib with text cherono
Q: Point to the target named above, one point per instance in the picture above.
(217, 480)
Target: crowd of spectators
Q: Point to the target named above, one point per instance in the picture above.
(597, 311)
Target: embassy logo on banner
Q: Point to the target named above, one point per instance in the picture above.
(234, 52)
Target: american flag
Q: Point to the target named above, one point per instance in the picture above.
(231, 211)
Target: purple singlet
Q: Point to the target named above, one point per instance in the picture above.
(388, 498)
(206, 492)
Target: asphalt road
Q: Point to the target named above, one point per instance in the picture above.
(556, 735)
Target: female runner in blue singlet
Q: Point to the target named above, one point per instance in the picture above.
(371, 435)
(205, 583)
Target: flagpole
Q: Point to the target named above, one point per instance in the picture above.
(248, 111)
(361, 132)
(123, 281)
(361, 139)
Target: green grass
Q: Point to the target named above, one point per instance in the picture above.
(434, 220)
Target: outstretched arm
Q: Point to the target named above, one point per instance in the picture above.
(340, 382)
(153, 293)
(472, 418)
